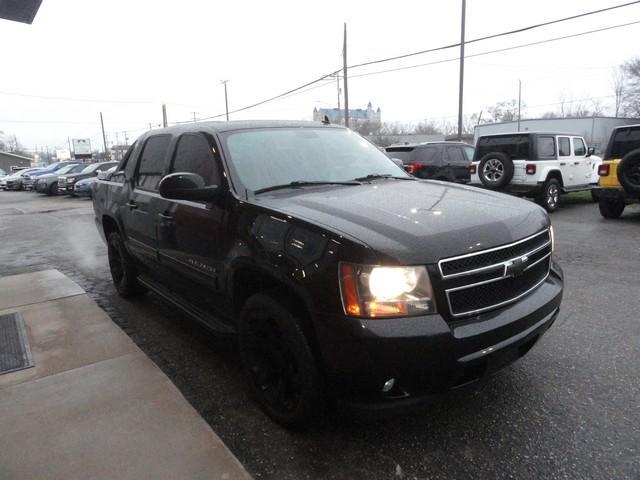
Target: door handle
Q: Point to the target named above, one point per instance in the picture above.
(576, 163)
(131, 204)
(165, 217)
(562, 164)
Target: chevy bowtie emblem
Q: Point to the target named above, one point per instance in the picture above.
(516, 267)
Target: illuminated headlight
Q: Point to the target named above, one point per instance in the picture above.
(376, 291)
(553, 239)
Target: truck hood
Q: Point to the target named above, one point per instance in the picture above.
(413, 222)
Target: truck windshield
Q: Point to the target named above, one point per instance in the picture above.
(516, 146)
(624, 140)
(267, 157)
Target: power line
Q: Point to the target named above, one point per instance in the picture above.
(496, 35)
(499, 50)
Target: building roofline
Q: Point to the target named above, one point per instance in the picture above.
(557, 118)
(16, 156)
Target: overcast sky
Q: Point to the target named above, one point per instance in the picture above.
(126, 57)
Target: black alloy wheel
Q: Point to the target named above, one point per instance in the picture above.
(122, 267)
(278, 362)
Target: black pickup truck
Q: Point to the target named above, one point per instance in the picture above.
(341, 276)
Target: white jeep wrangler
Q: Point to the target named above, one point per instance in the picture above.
(537, 165)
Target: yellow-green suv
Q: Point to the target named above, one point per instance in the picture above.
(620, 171)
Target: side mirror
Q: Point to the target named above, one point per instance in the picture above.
(103, 175)
(186, 186)
(590, 151)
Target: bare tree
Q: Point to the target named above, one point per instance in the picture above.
(618, 84)
(631, 101)
(506, 111)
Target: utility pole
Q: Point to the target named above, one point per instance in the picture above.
(104, 137)
(344, 75)
(338, 86)
(460, 94)
(69, 144)
(164, 115)
(117, 148)
(519, 101)
(226, 99)
(194, 117)
(150, 126)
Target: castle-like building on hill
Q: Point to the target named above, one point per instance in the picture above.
(336, 115)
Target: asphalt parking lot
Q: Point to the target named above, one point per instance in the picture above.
(570, 409)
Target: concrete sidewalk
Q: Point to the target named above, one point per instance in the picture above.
(94, 406)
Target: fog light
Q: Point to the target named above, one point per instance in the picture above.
(388, 385)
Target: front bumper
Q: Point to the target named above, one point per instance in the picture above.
(428, 356)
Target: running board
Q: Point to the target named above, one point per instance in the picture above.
(210, 321)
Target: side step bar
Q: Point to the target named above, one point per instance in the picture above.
(210, 321)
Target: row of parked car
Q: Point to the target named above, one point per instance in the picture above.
(68, 177)
(531, 164)
(539, 165)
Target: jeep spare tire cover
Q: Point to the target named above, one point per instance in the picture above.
(495, 170)
(629, 172)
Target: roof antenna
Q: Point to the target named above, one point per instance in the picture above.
(325, 120)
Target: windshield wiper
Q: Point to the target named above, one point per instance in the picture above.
(303, 183)
(376, 176)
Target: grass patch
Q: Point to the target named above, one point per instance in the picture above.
(577, 197)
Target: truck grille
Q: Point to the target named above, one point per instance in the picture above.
(493, 278)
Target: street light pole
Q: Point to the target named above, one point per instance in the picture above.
(460, 94)
(226, 99)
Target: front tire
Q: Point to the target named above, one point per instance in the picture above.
(610, 207)
(122, 267)
(549, 197)
(278, 361)
(53, 189)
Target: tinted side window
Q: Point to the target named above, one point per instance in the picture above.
(579, 149)
(194, 155)
(546, 147)
(151, 165)
(454, 154)
(564, 147)
(428, 154)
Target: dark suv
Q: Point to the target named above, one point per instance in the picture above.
(340, 275)
(435, 160)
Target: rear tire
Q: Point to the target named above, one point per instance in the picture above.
(595, 195)
(610, 207)
(549, 197)
(495, 170)
(629, 172)
(123, 269)
(278, 362)
(53, 189)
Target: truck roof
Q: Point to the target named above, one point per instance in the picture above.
(216, 126)
(528, 132)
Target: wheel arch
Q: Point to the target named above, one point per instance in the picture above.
(247, 280)
(552, 172)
